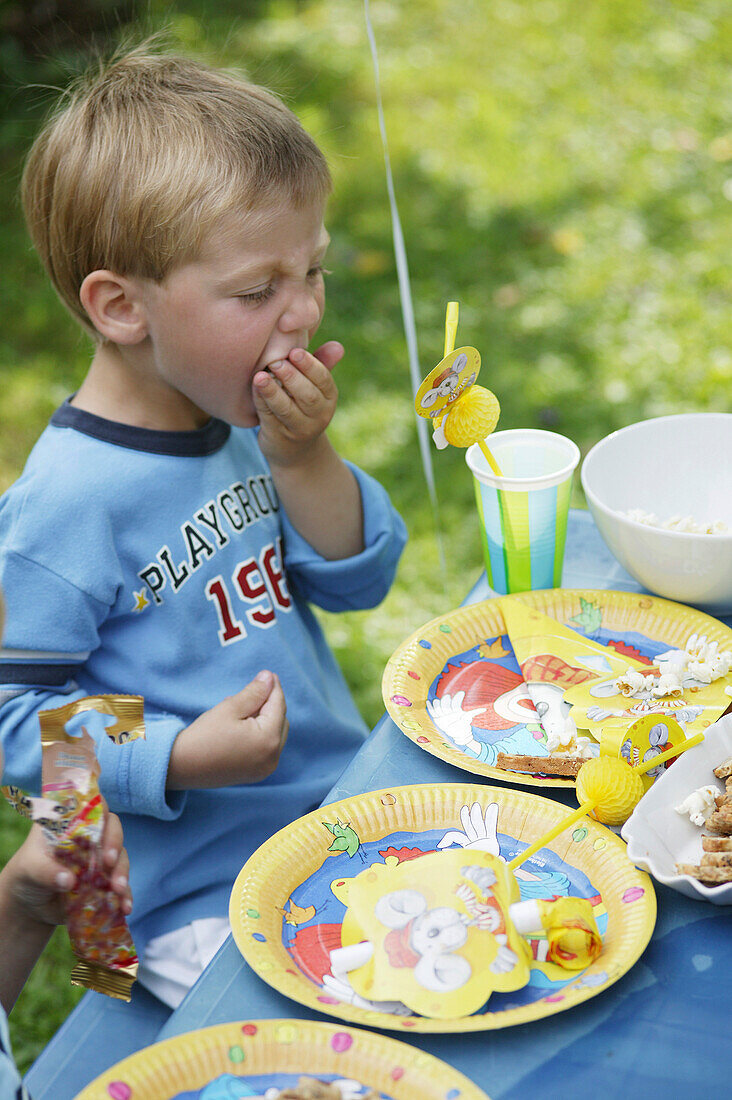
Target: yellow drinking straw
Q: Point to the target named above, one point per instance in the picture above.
(451, 323)
(490, 459)
(468, 401)
(590, 804)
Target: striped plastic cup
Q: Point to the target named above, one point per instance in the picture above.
(524, 513)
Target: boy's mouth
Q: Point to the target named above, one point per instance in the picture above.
(268, 370)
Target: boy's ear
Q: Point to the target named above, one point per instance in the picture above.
(114, 306)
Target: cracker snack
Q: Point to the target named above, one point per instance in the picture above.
(308, 1088)
(715, 866)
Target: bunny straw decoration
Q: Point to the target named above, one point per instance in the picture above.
(462, 412)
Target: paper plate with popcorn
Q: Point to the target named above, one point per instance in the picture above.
(398, 909)
(528, 686)
(264, 1058)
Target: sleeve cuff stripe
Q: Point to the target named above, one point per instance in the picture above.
(40, 675)
(41, 657)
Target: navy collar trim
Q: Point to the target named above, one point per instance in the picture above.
(202, 441)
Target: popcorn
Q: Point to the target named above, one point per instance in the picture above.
(673, 660)
(706, 663)
(552, 742)
(699, 804)
(631, 682)
(681, 523)
(686, 524)
(721, 665)
(556, 741)
(639, 516)
(667, 686)
(586, 748)
(701, 671)
(700, 660)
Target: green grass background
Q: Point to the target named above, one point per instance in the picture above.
(564, 170)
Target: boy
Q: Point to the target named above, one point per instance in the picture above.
(156, 544)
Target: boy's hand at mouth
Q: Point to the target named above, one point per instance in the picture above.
(295, 400)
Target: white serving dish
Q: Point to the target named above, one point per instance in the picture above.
(668, 466)
(658, 838)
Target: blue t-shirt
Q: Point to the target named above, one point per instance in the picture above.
(161, 564)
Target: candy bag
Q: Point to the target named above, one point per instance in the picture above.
(71, 814)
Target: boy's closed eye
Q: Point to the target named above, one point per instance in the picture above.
(259, 295)
(266, 291)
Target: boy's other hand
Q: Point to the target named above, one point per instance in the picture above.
(38, 882)
(237, 741)
(295, 400)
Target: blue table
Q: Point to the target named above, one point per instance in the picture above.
(664, 1028)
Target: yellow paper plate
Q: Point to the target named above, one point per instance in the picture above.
(217, 1063)
(466, 650)
(286, 917)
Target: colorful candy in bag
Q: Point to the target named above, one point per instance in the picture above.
(71, 814)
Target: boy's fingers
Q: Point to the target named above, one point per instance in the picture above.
(112, 840)
(303, 369)
(116, 859)
(311, 371)
(250, 700)
(40, 878)
(275, 710)
(40, 866)
(120, 879)
(297, 390)
(276, 701)
(330, 353)
(275, 406)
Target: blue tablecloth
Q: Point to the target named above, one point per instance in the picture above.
(664, 1028)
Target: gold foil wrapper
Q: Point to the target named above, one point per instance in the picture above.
(127, 709)
(100, 979)
(130, 724)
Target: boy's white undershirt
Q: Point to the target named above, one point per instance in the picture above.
(173, 962)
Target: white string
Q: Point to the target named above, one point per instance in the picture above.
(405, 296)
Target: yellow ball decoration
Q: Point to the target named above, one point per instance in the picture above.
(473, 417)
(613, 785)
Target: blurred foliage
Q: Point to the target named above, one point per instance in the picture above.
(564, 170)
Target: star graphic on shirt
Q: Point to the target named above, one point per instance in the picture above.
(141, 600)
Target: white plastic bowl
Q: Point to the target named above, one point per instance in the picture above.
(658, 838)
(668, 466)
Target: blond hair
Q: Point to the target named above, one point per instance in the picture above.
(141, 159)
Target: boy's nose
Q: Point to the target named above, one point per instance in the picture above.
(303, 312)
